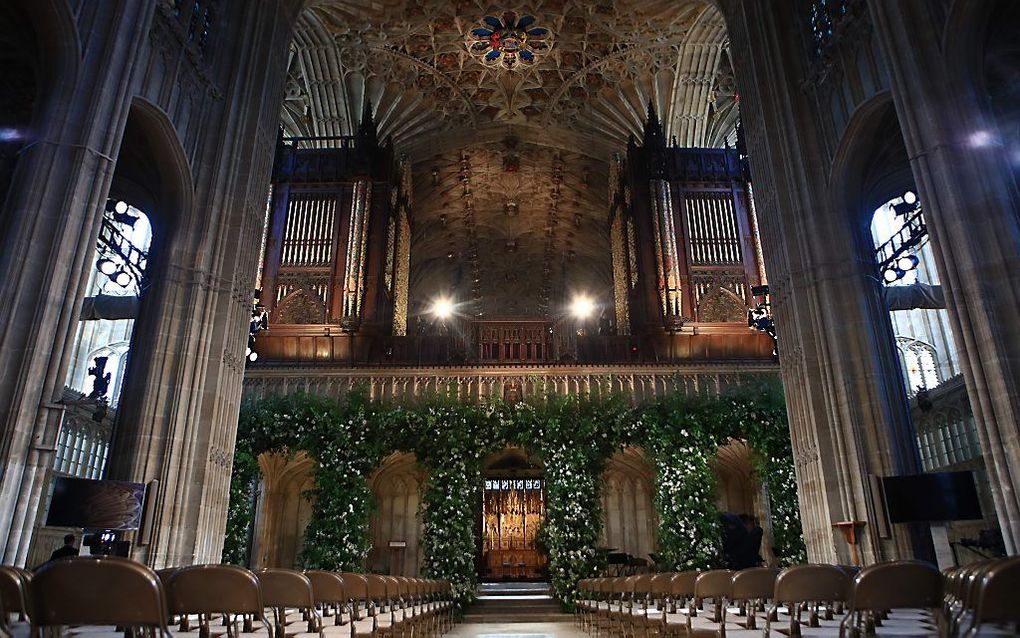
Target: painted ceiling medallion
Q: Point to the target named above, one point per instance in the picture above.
(512, 42)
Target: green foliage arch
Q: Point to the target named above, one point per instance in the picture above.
(574, 437)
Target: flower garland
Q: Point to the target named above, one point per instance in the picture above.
(573, 436)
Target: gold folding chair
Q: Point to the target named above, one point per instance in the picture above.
(66, 593)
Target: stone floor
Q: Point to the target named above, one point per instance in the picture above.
(517, 630)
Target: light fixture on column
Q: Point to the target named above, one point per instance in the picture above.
(892, 274)
(906, 263)
(122, 278)
(909, 204)
(442, 308)
(106, 266)
(259, 321)
(582, 307)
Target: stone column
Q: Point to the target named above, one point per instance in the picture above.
(178, 417)
(970, 201)
(51, 222)
(847, 407)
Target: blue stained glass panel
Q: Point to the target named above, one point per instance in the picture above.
(481, 33)
(537, 31)
(493, 21)
(492, 55)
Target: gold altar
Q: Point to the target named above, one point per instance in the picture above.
(513, 510)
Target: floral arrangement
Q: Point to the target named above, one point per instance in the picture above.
(573, 436)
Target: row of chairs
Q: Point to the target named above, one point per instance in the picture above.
(908, 596)
(207, 600)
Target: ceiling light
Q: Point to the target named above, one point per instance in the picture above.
(582, 307)
(442, 308)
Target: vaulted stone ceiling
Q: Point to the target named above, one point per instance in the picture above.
(582, 76)
(514, 226)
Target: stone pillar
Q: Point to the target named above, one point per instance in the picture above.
(966, 187)
(51, 222)
(847, 407)
(178, 415)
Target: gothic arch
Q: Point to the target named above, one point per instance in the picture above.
(153, 171)
(721, 306)
(300, 307)
(629, 522)
(39, 60)
(397, 487)
(284, 508)
(58, 48)
(870, 165)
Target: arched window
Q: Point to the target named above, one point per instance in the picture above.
(904, 258)
(920, 364)
(95, 378)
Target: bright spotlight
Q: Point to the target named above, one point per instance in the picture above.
(442, 308)
(582, 307)
(907, 263)
(121, 207)
(253, 356)
(122, 279)
(890, 275)
(910, 197)
(106, 266)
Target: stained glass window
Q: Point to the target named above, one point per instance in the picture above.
(823, 16)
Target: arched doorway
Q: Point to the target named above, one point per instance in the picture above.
(395, 525)
(511, 517)
(629, 522)
(742, 501)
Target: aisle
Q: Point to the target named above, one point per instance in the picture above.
(517, 630)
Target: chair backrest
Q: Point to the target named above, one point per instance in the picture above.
(809, 583)
(377, 589)
(896, 584)
(13, 590)
(355, 586)
(998, 593)
(754, 583)
(327, 587)
(641, 585)
(682, 584)
(208, 589)
(97, 591)
(286, 588)
(164, 574)
(716, 583)
(658, 585)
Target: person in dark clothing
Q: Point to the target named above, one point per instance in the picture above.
(734, 538)
(67, 550)
(750, 553)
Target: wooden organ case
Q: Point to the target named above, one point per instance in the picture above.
(337, 250)
(685, 243)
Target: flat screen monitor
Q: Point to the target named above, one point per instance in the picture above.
(96, 505)
(938, 496)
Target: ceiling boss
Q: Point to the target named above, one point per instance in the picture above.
(509, 41)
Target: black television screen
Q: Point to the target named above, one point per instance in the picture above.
(938, 496)
(93, 504)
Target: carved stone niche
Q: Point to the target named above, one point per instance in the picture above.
(722, 306)
(300, 307)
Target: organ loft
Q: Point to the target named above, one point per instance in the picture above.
(423, 316)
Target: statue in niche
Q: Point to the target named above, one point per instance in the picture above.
(101, 378)
(512, 392)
